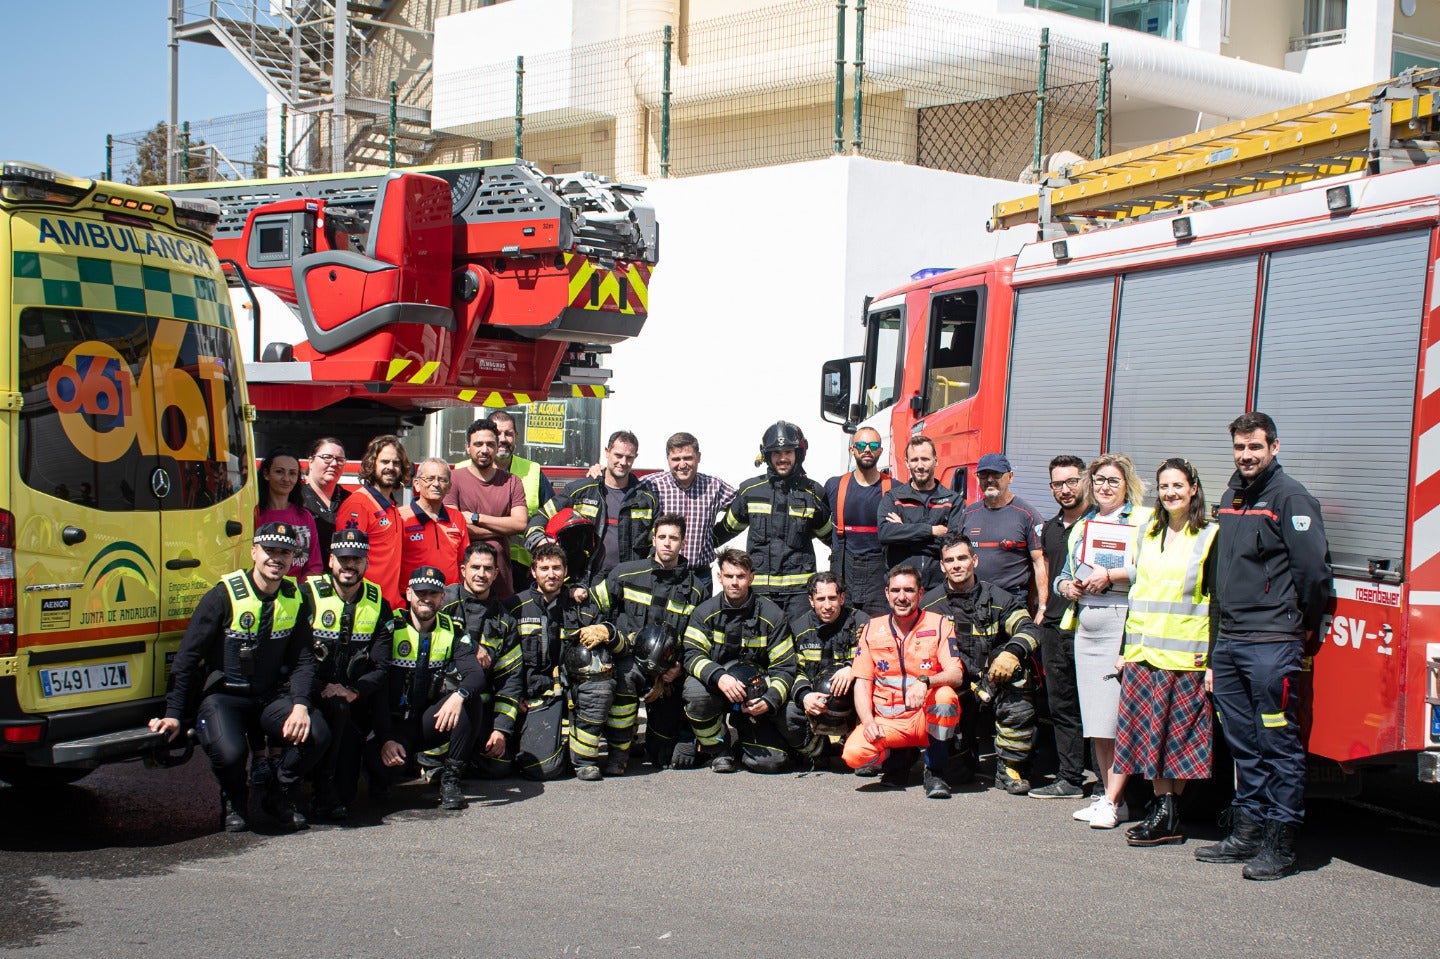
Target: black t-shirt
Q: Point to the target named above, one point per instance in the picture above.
(324, 518)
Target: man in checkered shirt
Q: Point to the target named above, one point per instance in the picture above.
(698, 497)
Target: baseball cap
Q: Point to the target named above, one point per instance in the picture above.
(993, 463)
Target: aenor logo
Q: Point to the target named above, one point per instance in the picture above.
(168, 410)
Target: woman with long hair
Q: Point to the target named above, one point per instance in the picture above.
(280, 502)
(1097, 576)
(321, 493)
(1164, 727)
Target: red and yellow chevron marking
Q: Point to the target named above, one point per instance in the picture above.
(586, 295)
(500, 399)
(411, 371)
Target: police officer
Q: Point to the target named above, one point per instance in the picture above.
(997, 640)
(740, 660)
(434, 686)
(248, 632)
(661, 590)
(471, 603)
(1272, 578)
(785, 511)
(566, 647)
(352, 626)
(825, 641)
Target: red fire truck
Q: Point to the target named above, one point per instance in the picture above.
(479, 284)
(1149, 333)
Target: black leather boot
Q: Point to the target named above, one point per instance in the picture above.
(1277, 853)
(235, 810)
(1162, 826)
(452, 794)
(278, 803)
(1242, 845)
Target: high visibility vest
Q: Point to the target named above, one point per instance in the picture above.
(329, 611)
(405, 655)
(1169, 621)
(243, 631)
(528, 473)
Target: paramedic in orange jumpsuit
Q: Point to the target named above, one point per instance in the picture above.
(905, 672)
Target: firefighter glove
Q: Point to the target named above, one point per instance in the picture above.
(656, 691)
(592, 636)
(1004, 667)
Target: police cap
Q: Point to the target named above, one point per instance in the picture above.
(427, 577)
(278, 536)
(350, 542)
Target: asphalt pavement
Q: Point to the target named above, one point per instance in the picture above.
(129, 862)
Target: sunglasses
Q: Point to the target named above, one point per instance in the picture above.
(872, 445)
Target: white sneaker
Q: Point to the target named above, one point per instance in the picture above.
(1084, 813)
(1107, 815)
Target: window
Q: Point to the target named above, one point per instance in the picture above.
(559, 432)
(950, 358)
(883, 359)
(1323, 16)
(1161, 18)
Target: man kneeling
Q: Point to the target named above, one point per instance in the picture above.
(905, 674)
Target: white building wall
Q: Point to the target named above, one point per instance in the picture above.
(762, 277)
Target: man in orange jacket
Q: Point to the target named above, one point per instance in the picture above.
(906, 670)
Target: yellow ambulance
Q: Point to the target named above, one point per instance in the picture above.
(126, 485)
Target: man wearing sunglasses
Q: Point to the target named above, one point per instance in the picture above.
(854, 501)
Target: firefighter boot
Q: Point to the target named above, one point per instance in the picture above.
(1242, 845)
(278, 804)
(1162, 826)
(235, 809)
(1276, 858)
(326, 804)
(452, 795)
(618, 762)
(1009, 778)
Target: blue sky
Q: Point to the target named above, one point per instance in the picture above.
(79, 69)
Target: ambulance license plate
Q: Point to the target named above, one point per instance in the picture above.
(85, 679)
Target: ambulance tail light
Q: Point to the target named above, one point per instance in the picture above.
(31, 183)
(197, 214)
(7, 583)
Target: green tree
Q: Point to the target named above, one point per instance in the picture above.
(148, 168)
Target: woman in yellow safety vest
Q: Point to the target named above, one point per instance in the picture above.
(1164, 728)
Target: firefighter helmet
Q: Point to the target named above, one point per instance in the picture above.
(750, 676)
(655, 649)
(586, 665)
(783, 436)
(837, 705)
(575, 533)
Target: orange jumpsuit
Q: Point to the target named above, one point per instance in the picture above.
(892, 661)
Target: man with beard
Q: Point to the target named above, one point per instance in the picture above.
(491, 499)
(914, 516)
(1006, 532)
(374, 509)
(784, 510)
(854, 501)
(536, 485)
(825, 642)
(475, 608)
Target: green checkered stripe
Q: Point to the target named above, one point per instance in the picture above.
(90, 283)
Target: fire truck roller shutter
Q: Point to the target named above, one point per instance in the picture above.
(1057, 378)
(1339, 350)
(1182, 364)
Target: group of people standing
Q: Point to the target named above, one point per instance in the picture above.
(489, 626)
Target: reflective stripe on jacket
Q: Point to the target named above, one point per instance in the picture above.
(1169, 621)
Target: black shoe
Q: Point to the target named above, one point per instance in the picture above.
(1059, 789)
(278, 804)
(234, 811)
(1241, 845)
(723, 763)
(262, 770)
(1276, 858)
(452, 794)
(1161, 827)
(326, 805)
(589, 774)
(935, 786)
(869, 769)
(617, 765)
(1009, 778)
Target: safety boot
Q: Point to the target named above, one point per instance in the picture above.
(326, 805)
(235, 810)
(870, 769)
(723, 763)
(617, 763)
(278, 804)
(589, 774)
(1159, 828)
(1276, 859)
(935, 786)
(452, 794)
(1241, 845)
(1009, 778)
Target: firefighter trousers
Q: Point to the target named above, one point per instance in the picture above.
(665, 725)
(1013, 713)
(589, 716)
(801, 729)
(624, 715)
(540, 749)
(1259, 704)
(762, 741)
(931, 728)
(222, 726)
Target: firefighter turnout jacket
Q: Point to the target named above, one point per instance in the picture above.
(912, 540)
(818, 646)
(546, 628)
(639, 593)
(986, 619)
(753, 632)
(492, 629)
(638, 511)
(784, 515)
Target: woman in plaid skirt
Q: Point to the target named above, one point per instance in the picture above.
(1164, 727)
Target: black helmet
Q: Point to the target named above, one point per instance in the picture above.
(751, 677)
(837, 705)
(783, 435)
(583, 665)
(655, 649)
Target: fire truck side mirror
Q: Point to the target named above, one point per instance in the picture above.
(836, 381)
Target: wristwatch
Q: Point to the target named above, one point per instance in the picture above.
(475, 518)
(923, 679)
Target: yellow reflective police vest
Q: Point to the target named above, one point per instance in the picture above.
(330, 608)
(405, 651)
(1169, 622)
(243, 632)
(528, 473)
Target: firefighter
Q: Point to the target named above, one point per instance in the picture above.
(905, 673)
(553, 625)
(615, 501)
(434, 686)
(246, 632)
(733, 640)
(915, 516)
(997, 641)
(472, 604)
(825, 640)
(785, 512)
(637, 594)
(1272, 577)
(352, 626)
